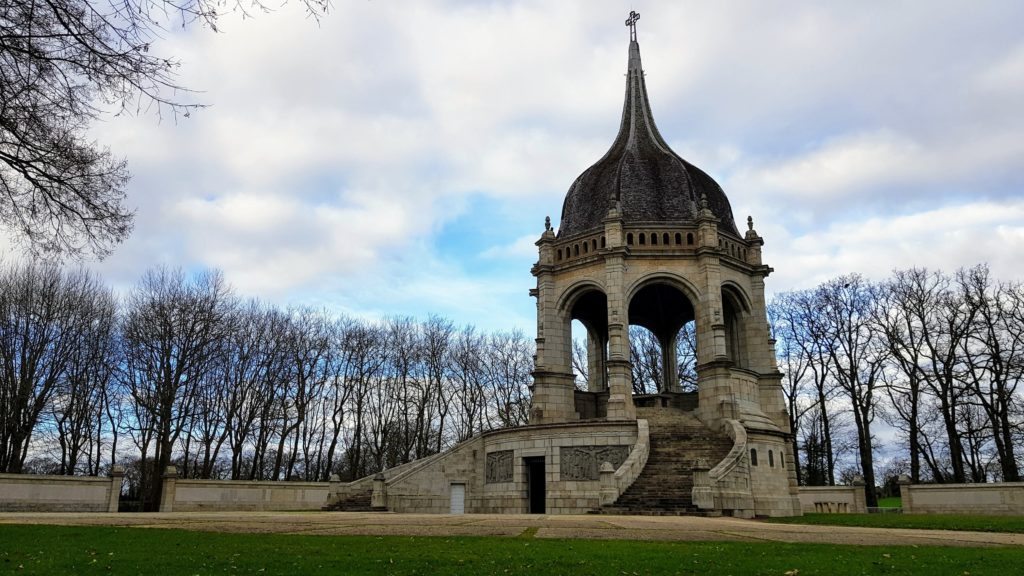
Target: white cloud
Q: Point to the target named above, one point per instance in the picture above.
(336, 156)
(522, 247)
(944, 238)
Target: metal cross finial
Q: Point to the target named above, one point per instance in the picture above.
(631, 22)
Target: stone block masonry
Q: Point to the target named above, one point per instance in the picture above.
(39, 493)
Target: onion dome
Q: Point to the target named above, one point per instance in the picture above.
(651, 183)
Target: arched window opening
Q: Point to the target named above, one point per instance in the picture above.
(733, 316)
(586, 247)
(576, 250)
(602, 242)
(771, 459)
(629, 239)
(753, 456)
(586, 348)
(593, 244)
(664, 238)
(662, 342)
(654, 239)
(559, 254)
(782, 461)
(643, 239)
(679, 239)
(689, 239)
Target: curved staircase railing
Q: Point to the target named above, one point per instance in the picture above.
(726, 487)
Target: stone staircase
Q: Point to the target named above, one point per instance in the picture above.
(664, 486)
(358, 502)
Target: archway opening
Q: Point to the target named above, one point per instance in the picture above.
(589, 341)
(662, 339)
(734, 312)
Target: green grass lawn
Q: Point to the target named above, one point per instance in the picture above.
(890, 502)
(105, 550)
(920, 521)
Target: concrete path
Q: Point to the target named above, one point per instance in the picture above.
(682, 528)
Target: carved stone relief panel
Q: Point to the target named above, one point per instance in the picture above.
(499, 466)
(584, 462)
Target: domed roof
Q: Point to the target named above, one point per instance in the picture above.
(652, 183)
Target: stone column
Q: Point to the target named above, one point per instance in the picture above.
(906, 499)
(669, 363)
(609, 493)
(859, 496)
(595, 362)
(620, 385)
(702, 493)
(167, 490)
(711, 322)
(552, 399)
(116, 479)
(335, 488)
(379, 496)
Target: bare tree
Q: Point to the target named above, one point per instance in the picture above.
(796, 365)
(170, 331)
(907, 315)
(580, 363)
(994, 349)
(78, 407)
(467, 388)
(438, 334)
(645, 357)
(45, 316)
(805, 332)
(64, 64)
(507, 364)
(859, 356)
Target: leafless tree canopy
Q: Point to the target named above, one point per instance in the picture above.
(184, 372)
(937, 357)
(63, 64)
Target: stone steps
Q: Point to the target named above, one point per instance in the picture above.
(678, 441)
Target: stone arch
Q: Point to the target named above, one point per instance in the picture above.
(574, 291)
(735, 316)
(663, 304)
(587, 302)
(688, 288)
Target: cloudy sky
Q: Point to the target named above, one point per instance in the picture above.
(400, 158)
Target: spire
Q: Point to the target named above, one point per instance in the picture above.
(640, 174)
(637, 126)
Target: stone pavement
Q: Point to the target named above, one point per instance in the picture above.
(665, 528)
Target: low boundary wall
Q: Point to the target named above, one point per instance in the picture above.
(187, 495)
(44, 493)
(995, 498)
(833, 499)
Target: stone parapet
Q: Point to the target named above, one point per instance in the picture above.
(51, 493)
(994, 498)
(191, 495)
(832, 500)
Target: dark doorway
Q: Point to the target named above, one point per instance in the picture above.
(536, 486)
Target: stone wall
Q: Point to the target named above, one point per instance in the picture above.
(996, 498)
(833, 499)
(492, 471)
(181, 495)
(38, 493)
